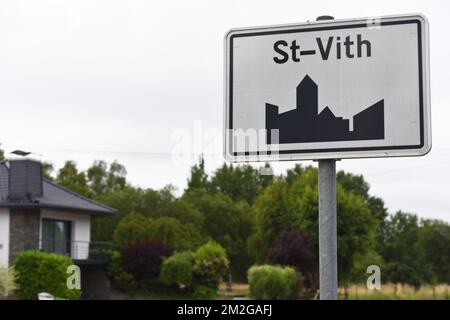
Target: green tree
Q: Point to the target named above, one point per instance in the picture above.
(68, 176)
(47, 170)
(357, 185)
(433, 247)
(282, 207)
(294, 173)
(177, 235)
(272, 215)
(148, 202)
(239, 182)
(134, 228)
(399, 236)
(127, 200)
(103, 178)
(398, 272)
(198, 178)
(227, 222)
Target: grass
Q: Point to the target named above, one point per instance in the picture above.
(237, 290)
(397, 292)
(355, 292)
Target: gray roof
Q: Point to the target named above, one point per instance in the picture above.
(53, 197)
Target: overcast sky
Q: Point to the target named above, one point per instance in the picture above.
(124, 80)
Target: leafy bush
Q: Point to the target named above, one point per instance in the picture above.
(143, 260)
(273, 282)
(204, 293)
(7, 283)
(43, 272)
(211, 264)
(120, 279)
(178, 269)
(133, 228)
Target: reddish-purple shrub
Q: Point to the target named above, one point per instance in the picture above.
(293, 248)
(143, 260)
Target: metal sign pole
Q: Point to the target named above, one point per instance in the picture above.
(327, 225)
(327, 230)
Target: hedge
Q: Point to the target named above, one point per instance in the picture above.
(37, 272)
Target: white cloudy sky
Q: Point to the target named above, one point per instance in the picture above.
(124, 80)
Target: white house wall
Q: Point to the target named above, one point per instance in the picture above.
(81, 230)
(4, 237)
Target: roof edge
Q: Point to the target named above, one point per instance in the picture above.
(113, 210)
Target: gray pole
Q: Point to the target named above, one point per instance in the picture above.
(327, 230)
(327, 225)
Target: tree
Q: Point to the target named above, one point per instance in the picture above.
(134, 228)
(398, 272)
(294, 173)
(357, 185)
(177, 235)
(2, 153)
(127, 200)
(198, 178)
(227, 222)
(293, 248)
(433, 247)
(148, 202)
(272, 215)
(47, 170)
(239, 182)
(281, 207)
(69, 176)
(103, 179)
(399, 236)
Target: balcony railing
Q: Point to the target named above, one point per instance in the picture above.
(77, 250)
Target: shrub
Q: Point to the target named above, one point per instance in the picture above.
(204, 293)
(211, 264)
(178, 269)
(120, 279)
(272, 282)
(7, 283)
(43, 272)
(133, 228)
(143, 260)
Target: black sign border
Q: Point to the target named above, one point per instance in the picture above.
(329, 150)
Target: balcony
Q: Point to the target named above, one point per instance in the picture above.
(81, 252)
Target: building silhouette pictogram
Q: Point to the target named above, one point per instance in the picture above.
(305, 124)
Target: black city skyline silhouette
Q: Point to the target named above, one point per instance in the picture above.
(305, 124)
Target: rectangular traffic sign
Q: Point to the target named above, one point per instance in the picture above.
(328, 90)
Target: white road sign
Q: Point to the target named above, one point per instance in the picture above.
(328, 89)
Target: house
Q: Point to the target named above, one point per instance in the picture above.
(39, 214)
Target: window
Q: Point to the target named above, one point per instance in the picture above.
(56, 236)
